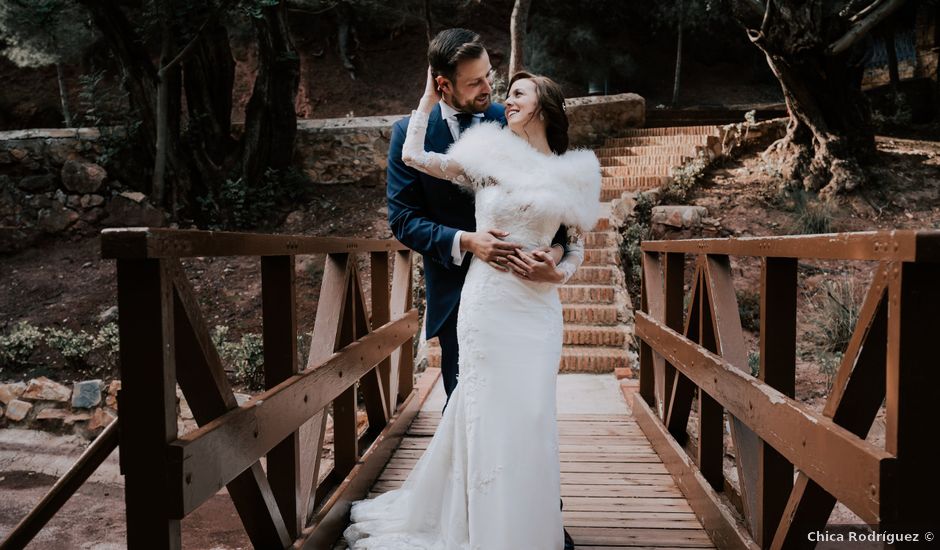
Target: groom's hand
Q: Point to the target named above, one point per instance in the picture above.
(489, 245)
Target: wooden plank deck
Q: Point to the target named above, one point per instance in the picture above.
(616, 491)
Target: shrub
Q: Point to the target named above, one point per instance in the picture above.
(836, 310)
(73, 346)
(685, 178)
(17, 345)
(812, 216)
(243, 205)
(109, 342)
(829, 365)
(753, 363)
(749, 309)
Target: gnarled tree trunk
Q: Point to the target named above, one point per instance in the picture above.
(517, 30)
(816, 50)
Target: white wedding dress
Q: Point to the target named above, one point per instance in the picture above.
(489, 479)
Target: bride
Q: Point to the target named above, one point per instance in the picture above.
(489, 479)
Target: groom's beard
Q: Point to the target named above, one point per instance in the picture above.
(476, 104)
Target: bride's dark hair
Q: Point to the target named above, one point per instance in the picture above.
(552, 107)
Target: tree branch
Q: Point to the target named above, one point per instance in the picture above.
(863, 27)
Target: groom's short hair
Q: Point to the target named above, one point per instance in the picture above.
(450, 47)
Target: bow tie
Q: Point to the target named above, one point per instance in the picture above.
(463, 121)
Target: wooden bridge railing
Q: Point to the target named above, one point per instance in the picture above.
(892, 358)
(164, 341)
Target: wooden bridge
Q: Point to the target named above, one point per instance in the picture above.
(629, 480)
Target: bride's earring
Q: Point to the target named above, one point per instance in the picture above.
(541, 116)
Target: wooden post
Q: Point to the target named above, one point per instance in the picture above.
(402, 375)
(778, 370)
(147, 401)
(711, 442)
(674, 292)
(381, 314)
(279, 331)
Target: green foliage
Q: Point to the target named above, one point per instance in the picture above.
(108, 340)
(73, 346)
(38, 33)
(684, 179)
(240, 205)
(753, 363)
(246, 356)
(749, 308)
(17, 345)
(812, 216)
(633, 233)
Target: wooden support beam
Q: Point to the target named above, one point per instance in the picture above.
(778, 370)
(147, 401)
(202, 379)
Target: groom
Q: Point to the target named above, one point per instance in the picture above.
(436, 218)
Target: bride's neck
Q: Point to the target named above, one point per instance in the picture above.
(536, 138)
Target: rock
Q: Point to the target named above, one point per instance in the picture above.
(100, 420)
(56, 218)
(82, 177)
(679, 216)
(60, 196)
(90, 201)
(592, 119)
(9, 392)
(37, 184)
(107, 316)
(19, 154)
(17, 410)
(86, 394)
(111, 399)
(74, 201)
(52, 413)
(43, 389)
(124, 211)
(383, 210)
(134, 196)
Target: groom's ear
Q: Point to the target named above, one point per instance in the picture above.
(443, 84)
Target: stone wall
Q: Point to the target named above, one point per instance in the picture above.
(50, 183)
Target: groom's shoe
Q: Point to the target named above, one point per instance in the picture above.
(569, 544)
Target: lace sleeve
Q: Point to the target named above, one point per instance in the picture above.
(574, 257)
(434, 164)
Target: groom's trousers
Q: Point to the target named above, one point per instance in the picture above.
(449, 352)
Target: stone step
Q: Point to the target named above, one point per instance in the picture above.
(600, 239)
(590, 314)
(587, 335)
(644, 150)
(672, 131)
(586, 294)
(633, 181)
(647, 160)
(601, 256)
(616, 192)
(591, 359)
(678, 139)
(593, 275)
(603, 224)
(573, 359)
(636, 170)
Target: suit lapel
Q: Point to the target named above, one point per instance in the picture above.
(439, 137)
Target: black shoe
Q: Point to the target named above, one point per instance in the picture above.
(569, 544)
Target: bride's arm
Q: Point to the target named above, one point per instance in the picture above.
(574, 256)
(413, 154)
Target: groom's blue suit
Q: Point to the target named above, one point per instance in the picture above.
(425, 213)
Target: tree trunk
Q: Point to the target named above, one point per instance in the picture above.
(892, 54)
(675, 83)
(209, 77)
(270, 119)
(829, 132)
(428, 23)
(63, 95)
(517, 28)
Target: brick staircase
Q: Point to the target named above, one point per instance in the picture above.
(595, 304)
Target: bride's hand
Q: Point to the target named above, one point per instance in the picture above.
(539, 266)
(431, 93)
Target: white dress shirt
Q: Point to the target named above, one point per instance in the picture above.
(449, 114)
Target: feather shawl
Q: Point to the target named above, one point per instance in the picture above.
(568, 184)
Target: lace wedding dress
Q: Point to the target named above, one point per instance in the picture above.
(489, 479)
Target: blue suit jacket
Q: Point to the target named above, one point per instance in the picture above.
(425, 213)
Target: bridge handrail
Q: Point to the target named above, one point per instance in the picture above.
(703, 350)
(165, 341)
